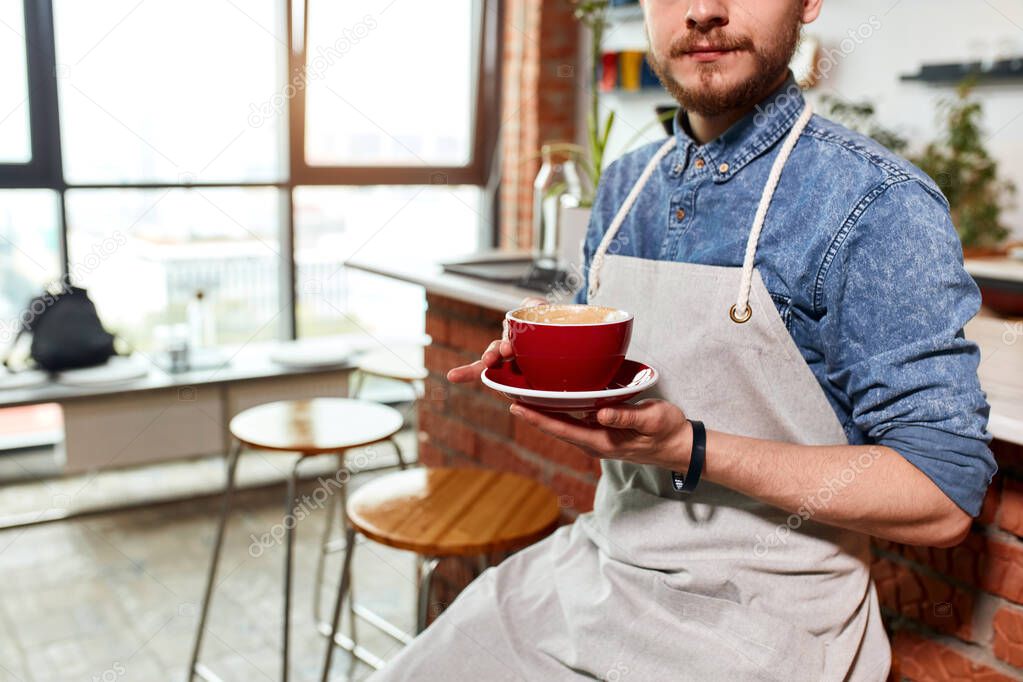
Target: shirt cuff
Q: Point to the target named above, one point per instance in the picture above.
(960, 466)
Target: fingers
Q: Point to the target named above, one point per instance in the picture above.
(498, 350)
(466, 373)
(594, 438)
(646, 416)
(533, 300)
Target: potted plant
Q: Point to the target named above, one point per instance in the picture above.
(960, 164)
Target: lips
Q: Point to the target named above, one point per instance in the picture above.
(706, 53)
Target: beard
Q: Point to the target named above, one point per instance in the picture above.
(707, 99)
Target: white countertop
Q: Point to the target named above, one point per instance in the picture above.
(1001, 373)
(492, 295)
(1006, 269)
(1000, 341)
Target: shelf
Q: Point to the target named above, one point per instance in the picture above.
(1004, 70)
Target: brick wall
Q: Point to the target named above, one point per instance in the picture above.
(471, 426)
(541, 42)
(954, 614)
(957, 613)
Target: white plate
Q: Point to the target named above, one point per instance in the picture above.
(31, 378)
(116, 370)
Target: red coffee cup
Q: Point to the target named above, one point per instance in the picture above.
(569, 347)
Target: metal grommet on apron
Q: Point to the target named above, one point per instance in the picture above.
(656, 585)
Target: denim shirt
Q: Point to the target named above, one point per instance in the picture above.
(860, 256)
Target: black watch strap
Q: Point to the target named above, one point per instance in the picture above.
(687, 483)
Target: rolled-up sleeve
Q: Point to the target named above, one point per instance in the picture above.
(895, 300)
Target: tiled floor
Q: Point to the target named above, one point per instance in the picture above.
(115, 597)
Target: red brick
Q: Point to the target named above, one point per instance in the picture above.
(437, 327)
(436, 393)
(989, 509)
(962, 562)
(923, 660)
(1008, 455)
(1008, 639)
(430, 455)
(1010, 509)
(573, 492)
(472, 338)
(482, 411)
(1002, 569)
(448, 432)
(439, 359)
(499, 454)
(555, 450)
(924, 598)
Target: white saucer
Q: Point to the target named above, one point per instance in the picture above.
(632, 379)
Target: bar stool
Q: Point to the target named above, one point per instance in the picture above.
(391, 364)
(438, 513)
(318, 426)
(394, 364)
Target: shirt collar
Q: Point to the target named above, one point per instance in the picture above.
(747, 138)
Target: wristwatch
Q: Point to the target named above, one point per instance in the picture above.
(687, 483)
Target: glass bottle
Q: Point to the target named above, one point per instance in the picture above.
(556, 185)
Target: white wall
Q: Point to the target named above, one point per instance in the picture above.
(900, 35)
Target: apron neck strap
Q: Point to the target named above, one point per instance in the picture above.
(598, 256)
(740, 312)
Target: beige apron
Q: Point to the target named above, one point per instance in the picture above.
(658, 585)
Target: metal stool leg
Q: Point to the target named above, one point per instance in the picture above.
(423, 601)
(211, 576)
(326, 545)
(358, 380)
(402, 464)
(289, 534)
(346, 571)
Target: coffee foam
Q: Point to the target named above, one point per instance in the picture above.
(570, 314)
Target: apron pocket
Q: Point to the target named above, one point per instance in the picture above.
(740, 642)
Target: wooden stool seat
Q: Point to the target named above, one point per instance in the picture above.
(315, 426)
(441, 512)
(391, 365)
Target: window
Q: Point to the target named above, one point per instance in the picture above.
(155, 149)
(189, 75)
(29, 252)
(144, 254)
(384, 91)
(15, 140)
(333, 224)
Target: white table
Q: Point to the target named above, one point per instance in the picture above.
(173, 415)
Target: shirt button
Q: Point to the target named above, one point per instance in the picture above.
(723, 168)
(699, 163)
(677, 169)
(680, 214)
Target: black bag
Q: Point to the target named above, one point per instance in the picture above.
(66, 331)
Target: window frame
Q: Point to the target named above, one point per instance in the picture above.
(45, 169)
(484, 117)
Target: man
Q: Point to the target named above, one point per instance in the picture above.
(801, 291)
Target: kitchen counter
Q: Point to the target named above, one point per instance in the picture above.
(431, 276)
(1000, 341)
